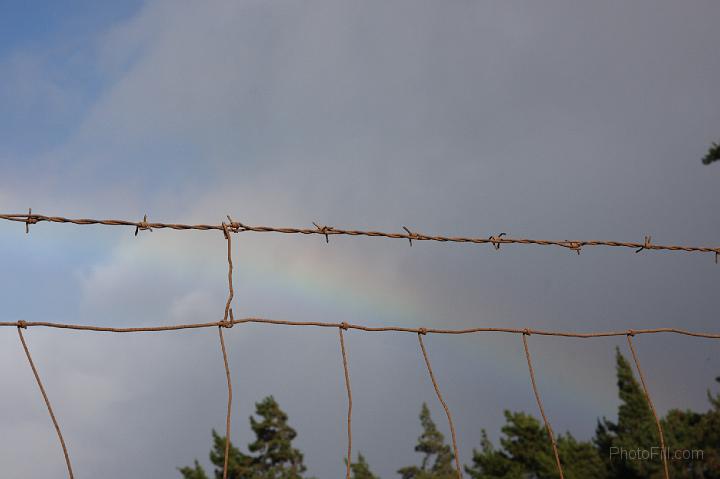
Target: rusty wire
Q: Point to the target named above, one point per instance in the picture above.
(650, 403)
(47, 401)
(442, 401)
(348, 461)
(327, 231)
(229, 402)
(548, 428)
(228, 320)
(227, 323)
(397, 329)
(344, 327)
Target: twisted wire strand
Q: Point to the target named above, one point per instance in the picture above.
(444, 405)
(231, 290)
(350, 403)
(227, 323)
(548, 428)
(47, 403)
(650, 403)
(326, 231)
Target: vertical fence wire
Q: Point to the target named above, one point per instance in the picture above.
(227, 322)
(47, 403)
(229, 403)
(548, 428)
(652, 406)
(442, 401)
(348, 461)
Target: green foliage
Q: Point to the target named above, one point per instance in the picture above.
(195, 472)
(526, 452)
(437, 462)
(275, 457)
(361, 469)
(272, 455)
(634, 429)
(712, 155)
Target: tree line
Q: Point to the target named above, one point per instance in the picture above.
(524, 452)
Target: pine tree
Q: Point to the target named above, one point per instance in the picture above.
(491, 463)
(712, 155)
(634, 430)
(526, 452)
(437, 462)
(361, 469)
(274, 456)
(237, 464)
(195, 472)
(709, 431)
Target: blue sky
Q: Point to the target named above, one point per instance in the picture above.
(560, 121)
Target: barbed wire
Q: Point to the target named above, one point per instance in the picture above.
(228, 320)
(237, 227)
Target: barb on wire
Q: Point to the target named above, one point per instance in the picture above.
(228, 319)
(142, 226)
(234, 226)
(20, 326)
(422, 333)
(496, 240)
(575, 246)
(327, 230)
(410, 235)
(548, 428)
(630, 334)
(646, 245)
(348, 461)
(29, 220)
(324, 230)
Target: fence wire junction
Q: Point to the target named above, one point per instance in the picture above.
(228, 320)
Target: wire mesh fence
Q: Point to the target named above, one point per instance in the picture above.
(228, 321)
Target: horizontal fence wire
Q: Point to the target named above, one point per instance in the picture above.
(229, 321)
(359, 327)
(327, 231)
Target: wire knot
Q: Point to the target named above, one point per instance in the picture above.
(630, 332)
(325, 230)
(411, 235)
(226, 231)
(422, 331)
(527, 332)
(235, 225)
(496, 241)
(344, 325)
(142, 226)
(646, 244)
(228, 322)
(30, 220)
(22, 324)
